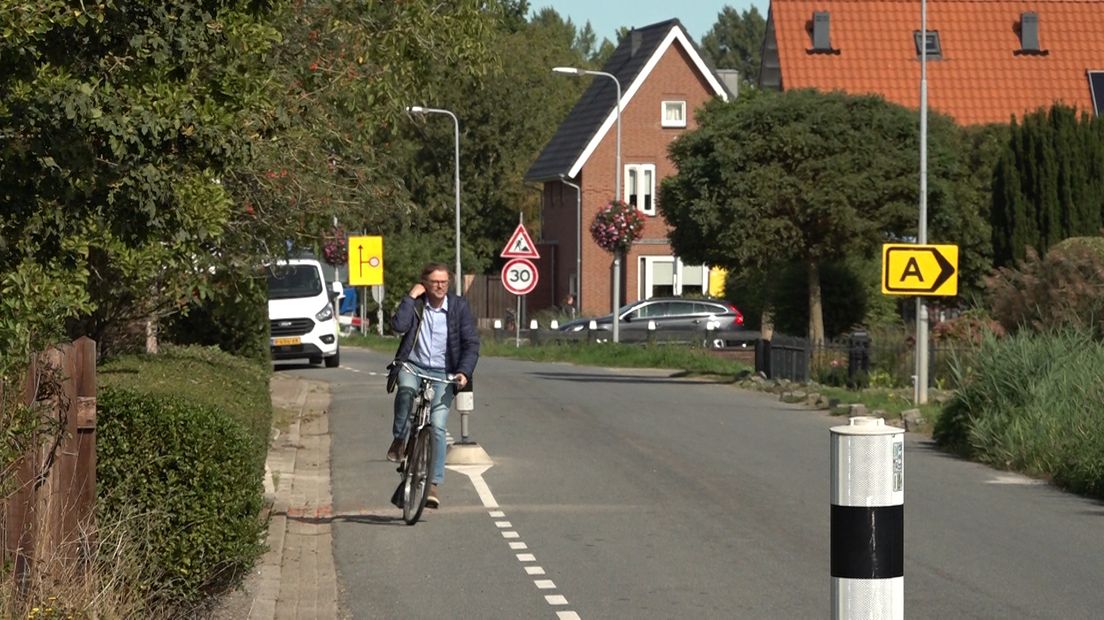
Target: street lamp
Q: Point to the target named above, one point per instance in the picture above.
(922, 228)
(417, 109)
(616, 191)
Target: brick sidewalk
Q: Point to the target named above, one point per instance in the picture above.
(296, 578)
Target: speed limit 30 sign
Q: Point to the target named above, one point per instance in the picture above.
(519, 276)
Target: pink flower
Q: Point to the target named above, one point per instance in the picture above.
(616, 226)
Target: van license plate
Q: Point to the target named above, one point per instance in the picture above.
(283, 342)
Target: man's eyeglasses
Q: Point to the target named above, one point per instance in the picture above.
(437, 282)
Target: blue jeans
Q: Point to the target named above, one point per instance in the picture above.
(442, 401)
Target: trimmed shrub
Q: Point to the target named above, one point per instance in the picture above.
(1064, 289)
(182, 438)
(187, 474)
(203, 375)
(1032, 403)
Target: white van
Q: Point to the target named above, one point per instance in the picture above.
(301, 313)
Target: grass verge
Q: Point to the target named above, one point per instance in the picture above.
(690, 360)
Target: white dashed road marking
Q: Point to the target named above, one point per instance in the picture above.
(528, 560)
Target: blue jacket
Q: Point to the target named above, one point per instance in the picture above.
(462, 345)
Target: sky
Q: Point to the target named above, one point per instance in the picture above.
(606, 16)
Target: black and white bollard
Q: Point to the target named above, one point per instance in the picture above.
(868, 520)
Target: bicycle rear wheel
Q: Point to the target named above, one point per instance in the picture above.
(419, 463)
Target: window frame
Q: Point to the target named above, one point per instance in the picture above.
(640, 169)
(663, 113)
(1097, 97)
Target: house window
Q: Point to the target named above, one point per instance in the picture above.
(1096, 88)
(674, 114)
(664, 276)
(935, 50)
(640, 187)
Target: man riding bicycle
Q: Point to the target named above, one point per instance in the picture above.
(439, 337)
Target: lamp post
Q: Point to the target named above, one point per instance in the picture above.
(616, 191)
(922, 229)
(417, 109)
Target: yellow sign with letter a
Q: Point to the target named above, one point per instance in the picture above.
(913, 269)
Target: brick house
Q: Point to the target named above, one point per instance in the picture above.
(663, 79)
(987, 60)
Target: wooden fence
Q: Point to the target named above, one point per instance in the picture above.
(47, 510)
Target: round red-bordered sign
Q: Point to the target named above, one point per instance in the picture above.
(519, 276)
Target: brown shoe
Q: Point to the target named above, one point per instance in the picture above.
(431, 499)
(394, 453)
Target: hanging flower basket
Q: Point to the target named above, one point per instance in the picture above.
(616, 226)
(335, 251)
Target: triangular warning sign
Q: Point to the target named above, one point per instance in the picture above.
(520, 245)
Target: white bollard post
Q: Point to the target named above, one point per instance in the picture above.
(554, 325)
(868, 518)
(465, 404)
(466, 451)
(533, 324)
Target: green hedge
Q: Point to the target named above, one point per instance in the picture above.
(181, 442)
(1032, 403)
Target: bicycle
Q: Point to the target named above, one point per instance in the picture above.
(416, 462)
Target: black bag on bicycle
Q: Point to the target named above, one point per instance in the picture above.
(393, 375)
(396, 364)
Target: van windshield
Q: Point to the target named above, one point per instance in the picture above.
(289, 281)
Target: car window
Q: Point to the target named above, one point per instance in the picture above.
(702, 307)
(680, 308)
(292, 281)
(653, 310)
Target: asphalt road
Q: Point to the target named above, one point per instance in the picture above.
(628, 494)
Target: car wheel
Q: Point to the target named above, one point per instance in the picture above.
(334, 360)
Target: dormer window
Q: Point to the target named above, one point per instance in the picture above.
(934, 48)
(674, 114)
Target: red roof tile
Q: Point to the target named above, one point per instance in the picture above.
(979, 79)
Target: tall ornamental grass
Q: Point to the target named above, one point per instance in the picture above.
(1034, 403)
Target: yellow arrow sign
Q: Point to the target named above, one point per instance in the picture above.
(912, 269)
(365, 261)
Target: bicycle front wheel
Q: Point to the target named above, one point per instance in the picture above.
(416, 476)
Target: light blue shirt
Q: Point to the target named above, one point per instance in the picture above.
(432, 338)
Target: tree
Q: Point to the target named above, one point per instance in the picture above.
(586, 41)
(799, 176)
(329, 146)
(506, 117)
(148, 146)
(118, 121)
(734, 42)
(1048, 184)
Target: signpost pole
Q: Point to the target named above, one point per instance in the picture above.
(363, 309)
(517, 323)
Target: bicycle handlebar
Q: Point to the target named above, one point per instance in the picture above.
(449, 378)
